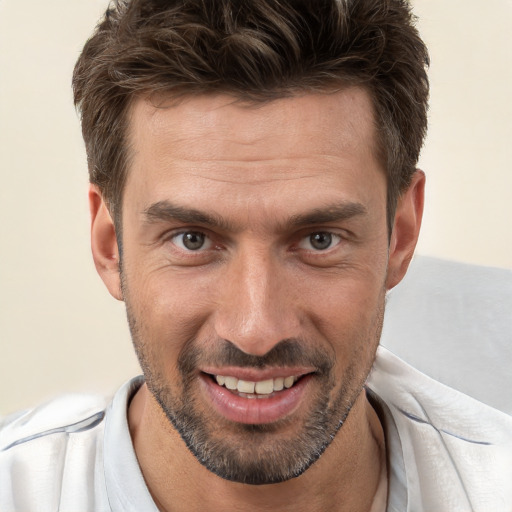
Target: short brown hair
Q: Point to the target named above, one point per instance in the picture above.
(256, 50)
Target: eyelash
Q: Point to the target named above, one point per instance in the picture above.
(207, 239)
(335, 239)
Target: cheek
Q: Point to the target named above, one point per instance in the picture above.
(170, 309)
(348, 313)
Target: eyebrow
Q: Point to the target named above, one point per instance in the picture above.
(167, 212)
(331, 213)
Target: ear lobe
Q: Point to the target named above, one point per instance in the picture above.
(406, 229)
(104, 247)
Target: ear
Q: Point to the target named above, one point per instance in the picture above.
(104, 247)
(406, 229)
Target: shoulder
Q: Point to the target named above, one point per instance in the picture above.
(448, 440)
(65, 414)
(42, 447)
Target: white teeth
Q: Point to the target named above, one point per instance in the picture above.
(288, 382)
(279, 384)
(231, 382)
(262, 387)
(245, 386)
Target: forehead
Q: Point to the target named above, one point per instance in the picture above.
(203, 126)
(254, 160)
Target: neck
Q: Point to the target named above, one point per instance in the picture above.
(350, 475)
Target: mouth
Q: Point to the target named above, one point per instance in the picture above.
(256, 389)
(255, 401)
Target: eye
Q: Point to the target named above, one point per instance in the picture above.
(191, 241)
(319, 241)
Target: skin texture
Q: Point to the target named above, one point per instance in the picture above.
(261, 180)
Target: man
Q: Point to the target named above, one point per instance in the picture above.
(253, 197)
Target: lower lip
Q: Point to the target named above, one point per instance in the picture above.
(255, 411)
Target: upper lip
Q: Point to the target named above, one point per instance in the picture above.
(256, 375)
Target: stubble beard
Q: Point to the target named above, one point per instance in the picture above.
(252, 454)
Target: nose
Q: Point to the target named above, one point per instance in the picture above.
(257, 306)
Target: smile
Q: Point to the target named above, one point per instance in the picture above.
(258, 389)
(233, 397)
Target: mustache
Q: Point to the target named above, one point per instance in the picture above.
(287, 352)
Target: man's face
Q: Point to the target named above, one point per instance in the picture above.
(255, 248)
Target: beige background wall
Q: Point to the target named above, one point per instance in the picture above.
(59, 329)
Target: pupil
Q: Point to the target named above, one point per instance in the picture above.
(321, 240)
(193, 240)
